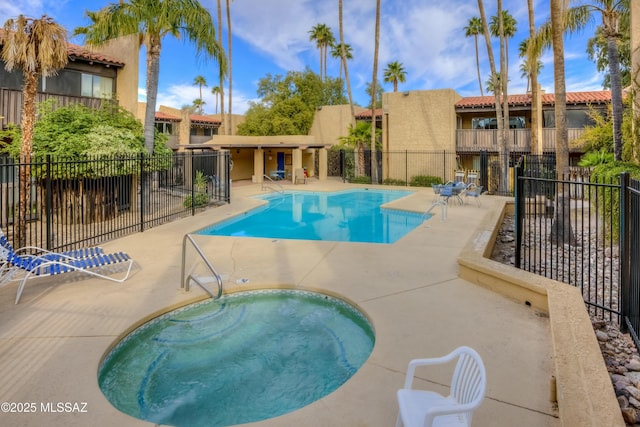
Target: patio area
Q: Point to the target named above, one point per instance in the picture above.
(52, 342)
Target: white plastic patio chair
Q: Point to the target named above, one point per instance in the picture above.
(427, 408)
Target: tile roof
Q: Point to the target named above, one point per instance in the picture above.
(84, 53)
(196, 118)
(366, 114)
(594, 97)
(166, 117)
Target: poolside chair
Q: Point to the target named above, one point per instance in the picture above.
(455, 190)
(24, 263)
(300, 176)
(428, 408)
(474, 191)
(472, 178)
(436, 191)
(459, 176)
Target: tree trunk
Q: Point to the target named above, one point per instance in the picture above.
(24, 175)
(343, 56)
(504, 83)
(154, 45)
(561, 232)
(374, 157)
(560, 91)
(221, 72)
(496, 86)
(616, 95)
(229, 55)
(478, 65)
(561, 226)
(536, 144)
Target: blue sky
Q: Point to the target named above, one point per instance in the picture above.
(272, 36)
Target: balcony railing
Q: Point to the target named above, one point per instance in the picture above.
(11, 103)
(471, 140)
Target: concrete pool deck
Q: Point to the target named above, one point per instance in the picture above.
(52, 342)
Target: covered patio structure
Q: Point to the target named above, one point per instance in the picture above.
(276, 157)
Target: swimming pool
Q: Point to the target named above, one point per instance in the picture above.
(246, 357)
(344, 216)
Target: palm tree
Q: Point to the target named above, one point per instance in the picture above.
(575, 19)
(502, 143)
(509, 26)
(216, 92)
(527, 67)
(336, 52)
(369, 90)
(230, 127)
(561, 227)
(474, 28)
(359, 134)
(374, 80)
(533, 67)
(200, 81)
(221, 71)
(323, 37)
(395, 73)
(611, 12)
(503, 26)
(198, 105)
(560, 91)
(494, 84)
(37, 47)
(343, 54)
(151, 21)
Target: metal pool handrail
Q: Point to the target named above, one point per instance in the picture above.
(268, 178)
(185, 279)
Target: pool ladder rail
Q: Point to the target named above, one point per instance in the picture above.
(187, 278)
(443, 209)
(268, 181)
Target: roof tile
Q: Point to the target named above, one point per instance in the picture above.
(593, 97)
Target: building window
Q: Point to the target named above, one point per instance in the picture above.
(166, 128)
(515, 122)
(97, 86)
(75, 83)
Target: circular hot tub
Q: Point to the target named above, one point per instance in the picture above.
(245, 357)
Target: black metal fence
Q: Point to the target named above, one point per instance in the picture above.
(74, 203)
(583, 233)
(410, 166)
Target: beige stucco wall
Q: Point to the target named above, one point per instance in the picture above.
(417, 121)
(331, 122)
(420, 120)
(127, 50)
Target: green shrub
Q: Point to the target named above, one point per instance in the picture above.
(361, 180)
(607, 198)
(391, 181)
(201, 200)
(424, 180)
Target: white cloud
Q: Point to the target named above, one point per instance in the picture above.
(179, 95)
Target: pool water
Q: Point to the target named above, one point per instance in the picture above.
(344, 216)
(246, 357)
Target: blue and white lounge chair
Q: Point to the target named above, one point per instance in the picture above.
(21, 264)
